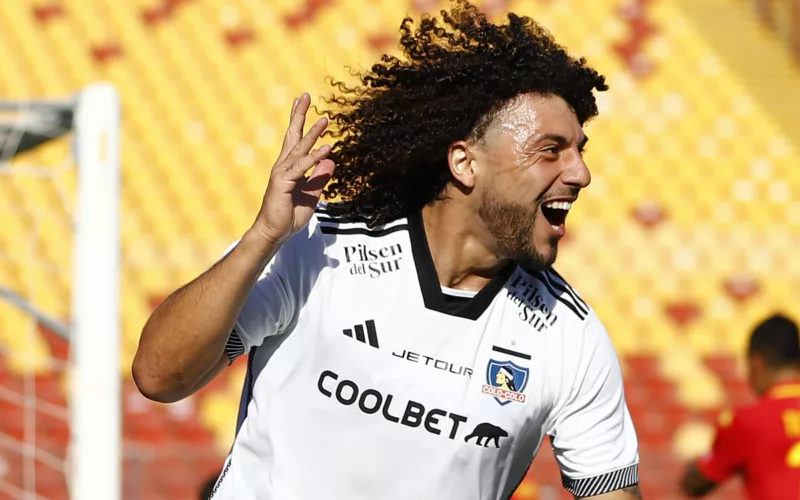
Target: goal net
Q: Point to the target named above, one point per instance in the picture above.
(60, 432)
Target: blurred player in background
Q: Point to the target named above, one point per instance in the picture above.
(760, 442)
(412, 340)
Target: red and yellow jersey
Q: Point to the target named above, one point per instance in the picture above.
(760, 442)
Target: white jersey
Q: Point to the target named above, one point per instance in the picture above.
(367, 380)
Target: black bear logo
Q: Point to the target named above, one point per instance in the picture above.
(487, 432)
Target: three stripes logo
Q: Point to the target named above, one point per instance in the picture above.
(371, 336)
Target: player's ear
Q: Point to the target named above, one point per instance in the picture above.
(756, 362)
(758, 373)
(461, 161)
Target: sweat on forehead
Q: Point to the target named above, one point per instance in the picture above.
(523, 116)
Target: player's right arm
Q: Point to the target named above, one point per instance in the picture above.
(182, 346)
(590, 429)
(726, 458)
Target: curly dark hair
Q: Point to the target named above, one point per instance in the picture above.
(393, 130)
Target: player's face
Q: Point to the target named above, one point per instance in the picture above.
(757, 374)
(534, 171)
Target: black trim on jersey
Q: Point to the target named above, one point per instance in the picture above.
(234, 347)
(221, 477)
(333, 218)
(578, 297)
(455, 299)
(247, 391)
(602, 484)
(429, 284)
(362, 230)
(564, 287)
(559, 296)
(511, 353)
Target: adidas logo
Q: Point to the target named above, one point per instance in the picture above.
(371, 335)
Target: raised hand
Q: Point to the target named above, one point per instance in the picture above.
(291, 197)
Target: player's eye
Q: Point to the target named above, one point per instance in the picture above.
(551, 149)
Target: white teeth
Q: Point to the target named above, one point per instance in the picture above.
(556, 228)
(559, 205)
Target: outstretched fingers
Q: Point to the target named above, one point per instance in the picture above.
(297, 120)
(297, 169)
(296, 157)
(303, 147)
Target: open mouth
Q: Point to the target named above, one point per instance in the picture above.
(556, 214)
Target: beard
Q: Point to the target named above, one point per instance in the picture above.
(512, 226)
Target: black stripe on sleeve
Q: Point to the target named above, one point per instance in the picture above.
(325, 215)
(602, 484)
(234, 347)
(341, 220)
(559, 297)
(362, 230)
(562, 285)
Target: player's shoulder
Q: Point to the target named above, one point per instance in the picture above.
(771, 404)
(331, 219)
(742, 416)
(548, 290)
(349, 236)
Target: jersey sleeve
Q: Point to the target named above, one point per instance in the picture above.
(273, 305)
(727, 454)
(591, 430)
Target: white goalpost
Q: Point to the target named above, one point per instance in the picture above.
(93, 463)
(96, 403)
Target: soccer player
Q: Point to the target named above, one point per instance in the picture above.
(761, 442)
(411, 340)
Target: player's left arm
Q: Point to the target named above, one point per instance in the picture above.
(590, 428)
(725, 459)
(695, 484)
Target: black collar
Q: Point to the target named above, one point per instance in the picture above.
(429, 281)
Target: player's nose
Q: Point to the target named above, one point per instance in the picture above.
(576, 173)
